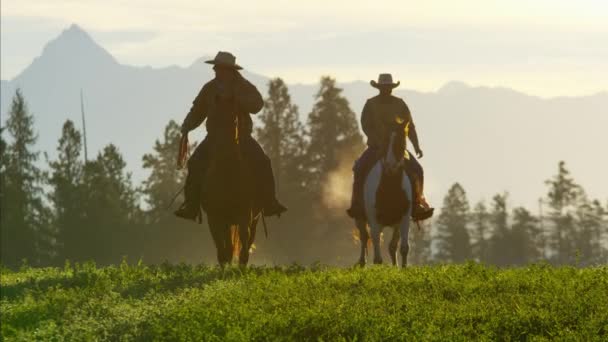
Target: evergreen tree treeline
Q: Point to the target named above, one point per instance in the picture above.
(81, 210)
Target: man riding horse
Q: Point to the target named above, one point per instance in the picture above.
(378, 117)
(229, 93)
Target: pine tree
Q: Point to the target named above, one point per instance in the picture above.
(524, 245)
(420, 246)
(67, 193)
(3, 198)
(590, 221)
(281, 135)
(563, 195)
(3, 162)
(480, 233)
(500, 250)
(24, 217)
(453, 241)
(110, 208)
(164, 180)
(334, 132)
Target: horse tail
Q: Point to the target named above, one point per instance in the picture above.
(236, 240)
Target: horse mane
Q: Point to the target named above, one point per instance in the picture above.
(391, 200)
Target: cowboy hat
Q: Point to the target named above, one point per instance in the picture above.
(226, 59)
(384, 80)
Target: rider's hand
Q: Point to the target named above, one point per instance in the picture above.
(419, 153)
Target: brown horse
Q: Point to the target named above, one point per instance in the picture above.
(229, 197)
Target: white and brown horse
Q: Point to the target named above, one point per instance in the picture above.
(388, 199)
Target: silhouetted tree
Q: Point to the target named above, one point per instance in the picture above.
(480, 232)
(164, 236)
(281, 135)
(591, 225)
(334, 142)
(420, 246)
(3, 162)
(523, 242)
(111, 209)
(67, 194)
(453, 242)
(25, 231)
(3, 199)
(164, 180)
(334, 132)
(500, 250)
(562, 197)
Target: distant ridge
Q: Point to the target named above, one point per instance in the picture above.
(488, 138)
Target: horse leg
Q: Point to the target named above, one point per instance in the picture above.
(229, 237)
(370, 189)
(363, 239)
(404, 227)
(216, 228)
(375, 230)
(392, 248)
(222, 237)
(244, 236)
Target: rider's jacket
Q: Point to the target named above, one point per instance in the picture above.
(380, 114)
(215, 104)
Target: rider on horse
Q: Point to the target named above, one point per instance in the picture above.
(226, 94)
(379, 114)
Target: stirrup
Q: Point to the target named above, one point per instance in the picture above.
(355, 213)
(274, 209)
(421, 213)
(185, 211)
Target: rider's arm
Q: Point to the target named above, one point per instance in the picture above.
(197, 113)
(247, 96)
(412, 134)
(368, 124)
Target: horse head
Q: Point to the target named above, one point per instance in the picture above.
(392, 161)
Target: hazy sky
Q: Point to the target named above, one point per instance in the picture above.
(542, 47)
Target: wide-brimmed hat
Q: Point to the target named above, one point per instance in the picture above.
(226, 59)
(383, 81)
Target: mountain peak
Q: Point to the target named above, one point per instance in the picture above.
(75, 44)
(74, 29)
(453, 86)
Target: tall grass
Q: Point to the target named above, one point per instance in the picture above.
(184, 302)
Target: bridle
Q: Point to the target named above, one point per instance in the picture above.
(396, 164)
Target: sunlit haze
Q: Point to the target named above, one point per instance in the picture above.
(541, 47)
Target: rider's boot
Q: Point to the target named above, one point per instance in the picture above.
(187, 211)
(360, 170)
(422, 210)
(272, 206)
(356, 210)
(190, 209)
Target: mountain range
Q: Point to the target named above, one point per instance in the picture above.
(488, 139)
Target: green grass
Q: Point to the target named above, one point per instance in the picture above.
(182, 302)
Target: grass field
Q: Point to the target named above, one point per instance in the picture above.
(182, 302)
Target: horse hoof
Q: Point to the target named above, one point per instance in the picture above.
(360, 263)
(378, 261)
